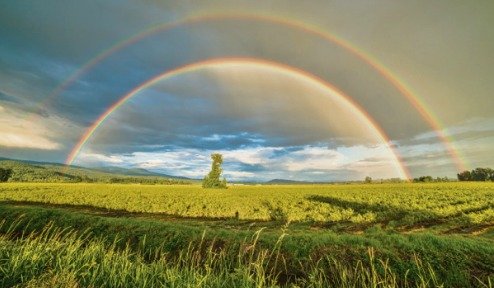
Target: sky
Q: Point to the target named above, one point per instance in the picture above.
(301, 90)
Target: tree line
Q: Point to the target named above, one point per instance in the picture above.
(427, 179)
(477, 174)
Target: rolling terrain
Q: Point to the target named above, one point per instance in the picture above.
(32, 171)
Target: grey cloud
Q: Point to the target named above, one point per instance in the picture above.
(8, 98)
(183, 113)
(441, 50)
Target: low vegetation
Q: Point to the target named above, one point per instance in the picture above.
(356, 235)
(395, 205)
(81, 250)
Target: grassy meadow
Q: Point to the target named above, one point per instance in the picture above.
(356, 235)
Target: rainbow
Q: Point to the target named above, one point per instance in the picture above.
(360, 114)
(367, 58)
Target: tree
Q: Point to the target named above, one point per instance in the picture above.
(477, 174)
(212, 180)
(5, 174)
(368, 179)
(482, 174)
(427, 178)
(464, 176)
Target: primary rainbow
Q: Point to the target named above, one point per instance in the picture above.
(367, 58)
(361, 114)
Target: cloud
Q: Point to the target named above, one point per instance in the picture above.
(442, 52)
(316, 163)
(16, 131)
(26, 134)
(230, 107)
(94, 158)
(473, 140)
(7, 98)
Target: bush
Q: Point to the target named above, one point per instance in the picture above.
(5, 174)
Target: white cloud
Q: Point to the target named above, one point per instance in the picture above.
(252, 155)
(317, 158)
(316, 163)
(24, 130)
(472, 140)
(239, 175)
(94, 158)
(152, 164)
(472, 125)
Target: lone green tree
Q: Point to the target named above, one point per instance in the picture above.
(212, 180)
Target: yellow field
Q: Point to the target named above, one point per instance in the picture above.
(395, 204)
(392, 235)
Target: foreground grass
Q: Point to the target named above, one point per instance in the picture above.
(80, 250)
(62, 258)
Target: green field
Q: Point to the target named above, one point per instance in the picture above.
(374, 235)
(396, 205)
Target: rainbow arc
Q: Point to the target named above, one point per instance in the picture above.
(418, 103)
(360, 114)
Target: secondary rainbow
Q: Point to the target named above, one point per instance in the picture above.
(367, 58)
(218, 62)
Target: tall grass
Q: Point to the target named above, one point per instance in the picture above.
(457, 261)
(55, 257)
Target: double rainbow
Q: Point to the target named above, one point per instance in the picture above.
(385, 72)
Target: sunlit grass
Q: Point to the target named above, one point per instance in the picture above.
(56, 257)
(301, 247)
(396, 204)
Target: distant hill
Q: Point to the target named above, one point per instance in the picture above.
(33, 162)
(134, 172)
(32, 171)
(301, 182)
(286, 181)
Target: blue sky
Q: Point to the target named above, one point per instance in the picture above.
(266, 125)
